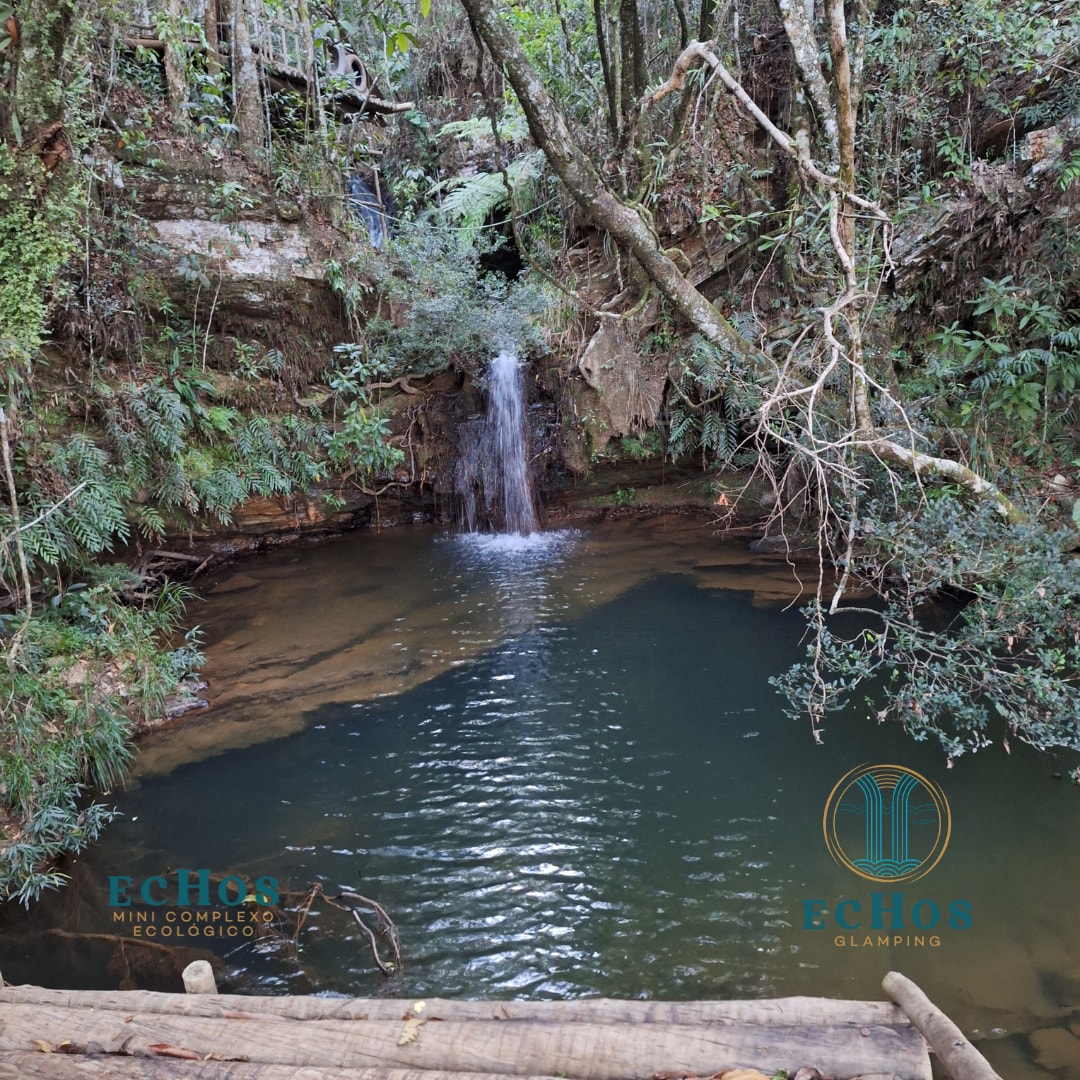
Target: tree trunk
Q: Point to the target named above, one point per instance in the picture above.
(684, 27)
(247, 87)
(36, 82)
(577, 172)
(213, 44)
(177, 90)
(580, 1051)
(705, 20)
(311, 70)
(771, 1011)
(632, 50)
(959, 1057)
(804, 47)
(845, 116)
(606, 68)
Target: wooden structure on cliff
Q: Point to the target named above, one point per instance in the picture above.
(281, 39)
(125, 1035)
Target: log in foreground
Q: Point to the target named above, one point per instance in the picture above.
(959, 1057)
(522, 1048)
(790, 1010)
(38, 1066)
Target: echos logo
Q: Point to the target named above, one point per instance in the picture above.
(887, 823)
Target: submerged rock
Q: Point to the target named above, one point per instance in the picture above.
(778, 544)
(1056, 1048)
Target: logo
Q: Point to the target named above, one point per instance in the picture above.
(887, 823)
(193, 904)
(192, 888)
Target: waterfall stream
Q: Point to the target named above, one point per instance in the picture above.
(493, 466)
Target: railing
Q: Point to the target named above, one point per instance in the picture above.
(283, 44)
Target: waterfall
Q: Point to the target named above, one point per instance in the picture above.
(507, 419)
(493, 465)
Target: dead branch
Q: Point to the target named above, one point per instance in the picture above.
(384, 924)
(386, 928)
(387, 971)
(959, 1057)
(302, 911)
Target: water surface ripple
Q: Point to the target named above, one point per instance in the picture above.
(590, 788)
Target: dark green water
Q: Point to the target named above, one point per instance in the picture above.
(596, 793)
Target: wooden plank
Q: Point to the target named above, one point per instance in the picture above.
(578, 1051)
(38, 1066)
(792, 1010)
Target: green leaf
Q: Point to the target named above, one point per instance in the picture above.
(425, 8)
(1076, 513)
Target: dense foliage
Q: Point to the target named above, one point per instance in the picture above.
(976, 642)
(87, 665)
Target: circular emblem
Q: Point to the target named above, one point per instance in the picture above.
(887, 823)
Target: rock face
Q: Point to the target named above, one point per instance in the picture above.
(628, 383)
(989, 218)
(236, 260)
(219, 236)
(264, 267)
(263, 521)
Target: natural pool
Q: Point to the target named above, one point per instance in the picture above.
(562, 771)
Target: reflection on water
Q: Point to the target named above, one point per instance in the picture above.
(370, 615)
(591, 790)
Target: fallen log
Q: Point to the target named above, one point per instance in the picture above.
(959, 1057)
(776, 1011)
(577, 1051)
(59, 1066)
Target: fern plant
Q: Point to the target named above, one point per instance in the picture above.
(708, 406)
(1022, 359)
(469, 201)
(511, 126)
(74, 504)
(91, 664)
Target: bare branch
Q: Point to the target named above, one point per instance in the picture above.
(807, 56)
(52, 509)
(825, 458)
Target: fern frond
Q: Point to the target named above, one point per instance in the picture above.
(512, 127)
(474, 198)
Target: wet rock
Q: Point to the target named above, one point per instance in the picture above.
(1056, 1048)
(236, 583)
(778, 544)
(284, 513)
(186, 698)
(629, 383)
